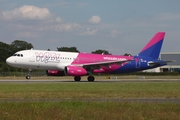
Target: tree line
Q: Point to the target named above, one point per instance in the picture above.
(7, 50)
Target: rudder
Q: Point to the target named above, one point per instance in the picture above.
(153, 47)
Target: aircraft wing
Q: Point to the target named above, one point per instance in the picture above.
(104, 63)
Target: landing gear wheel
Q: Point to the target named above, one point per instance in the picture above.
(28, 77)
(91, 78)
(77, 78)
(29, 74)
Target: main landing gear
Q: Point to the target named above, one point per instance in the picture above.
(29, 74)
(77, 78)
(89, 78)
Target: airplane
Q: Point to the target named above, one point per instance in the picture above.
(82, 64)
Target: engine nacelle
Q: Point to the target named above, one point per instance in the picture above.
(75, 71)
(99, 71)
(55, 73)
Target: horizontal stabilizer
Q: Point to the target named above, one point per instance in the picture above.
(152, 63)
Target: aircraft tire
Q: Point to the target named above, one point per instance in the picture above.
(77, 78)
(91, 78)
(28, 77)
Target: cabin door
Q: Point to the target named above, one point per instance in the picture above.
(31, 56)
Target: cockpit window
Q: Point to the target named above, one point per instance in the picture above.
(18, 55)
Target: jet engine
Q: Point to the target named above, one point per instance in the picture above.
(75, 71)
(55, 73)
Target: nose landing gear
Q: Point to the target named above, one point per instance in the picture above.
(29, 74)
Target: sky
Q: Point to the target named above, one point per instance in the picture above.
(118, 26)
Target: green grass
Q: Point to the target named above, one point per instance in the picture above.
(91, 90)
(80, 109)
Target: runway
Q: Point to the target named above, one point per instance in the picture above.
(85, 81)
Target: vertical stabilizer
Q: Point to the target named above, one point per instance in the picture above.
(153, 47)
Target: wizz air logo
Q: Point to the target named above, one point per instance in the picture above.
(114, 58)
(47, 57)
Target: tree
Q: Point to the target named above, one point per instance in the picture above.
(5, 51)
(126, 54)
(18, 45)
(68, 49)
(101, 52)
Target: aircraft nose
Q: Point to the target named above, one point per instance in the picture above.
(9, 61)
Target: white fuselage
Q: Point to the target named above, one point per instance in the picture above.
(37, 59)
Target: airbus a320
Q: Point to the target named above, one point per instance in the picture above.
(82, 64)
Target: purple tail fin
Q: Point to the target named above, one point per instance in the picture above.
(153, 47)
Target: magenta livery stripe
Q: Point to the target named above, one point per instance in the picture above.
(158, 37)
(85, 58)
